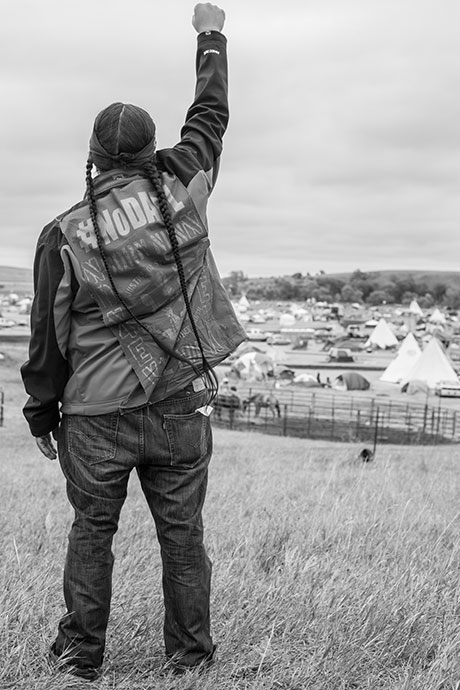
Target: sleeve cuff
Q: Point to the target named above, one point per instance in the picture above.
(211, 37)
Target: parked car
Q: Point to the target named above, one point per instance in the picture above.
(278, 339)
(340, 354)
(257, 334)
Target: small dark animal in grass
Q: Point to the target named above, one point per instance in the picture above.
(263, 400)
(366, 455)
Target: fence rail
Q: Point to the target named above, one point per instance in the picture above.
(326, 414)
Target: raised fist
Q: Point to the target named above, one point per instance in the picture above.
(208, 17)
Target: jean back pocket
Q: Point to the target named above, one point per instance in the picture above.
(189, 438)
(92, 439)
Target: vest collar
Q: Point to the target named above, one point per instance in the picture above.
(115, 178)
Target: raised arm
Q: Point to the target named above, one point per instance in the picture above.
(208, 17)
(207, 118)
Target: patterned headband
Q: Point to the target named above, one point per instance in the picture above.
(104, 160)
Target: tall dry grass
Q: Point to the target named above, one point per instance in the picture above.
(328, 574)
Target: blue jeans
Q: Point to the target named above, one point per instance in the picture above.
(170, 445)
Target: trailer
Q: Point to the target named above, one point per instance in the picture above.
(447, 389)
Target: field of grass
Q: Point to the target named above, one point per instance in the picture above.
(328, 574)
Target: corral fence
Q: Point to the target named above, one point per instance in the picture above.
(336, 416)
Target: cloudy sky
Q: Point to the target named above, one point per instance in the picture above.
(343, 149)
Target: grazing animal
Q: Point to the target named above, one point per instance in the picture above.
(260, 400)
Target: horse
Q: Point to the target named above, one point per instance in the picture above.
(260, 400)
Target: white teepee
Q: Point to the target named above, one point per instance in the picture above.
(382, 336)
(243, 304)
(405, 359)
(432, 366)
(437, 317)
(414, 308)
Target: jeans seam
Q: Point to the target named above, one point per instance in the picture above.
(141, 438)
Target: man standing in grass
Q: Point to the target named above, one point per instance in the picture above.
(129, 319)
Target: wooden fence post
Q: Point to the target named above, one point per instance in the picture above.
(376, 432)
(285, 420)
(312, 411)
(371, 414)
(333, 419)
(425, 414)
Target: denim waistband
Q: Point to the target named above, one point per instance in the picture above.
(195, 386)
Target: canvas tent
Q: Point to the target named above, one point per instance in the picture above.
(243, 304)
(414, 387)
(432, 366)
(382, 336)
(401, 365)
(437, 317)
(351, 381)
(287, 320)
(253, 366)
(306, 380)
(414, 308)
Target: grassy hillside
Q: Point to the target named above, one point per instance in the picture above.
(328, 574)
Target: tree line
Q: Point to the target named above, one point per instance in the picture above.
(371, 288)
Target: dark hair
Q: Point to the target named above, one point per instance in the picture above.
(122, 128)
(124, 136)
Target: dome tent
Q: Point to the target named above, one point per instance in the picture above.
(287, 320)
(414, 387)
(351, 381)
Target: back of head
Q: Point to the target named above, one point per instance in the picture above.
(123, 136)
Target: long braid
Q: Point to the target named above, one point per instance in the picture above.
(93, 214)
(154, 176)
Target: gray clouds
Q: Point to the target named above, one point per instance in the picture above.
(343, 147)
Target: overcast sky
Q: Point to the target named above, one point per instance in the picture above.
(343, 149)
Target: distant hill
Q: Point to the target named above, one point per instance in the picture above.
(14, 279)
(431, 278)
